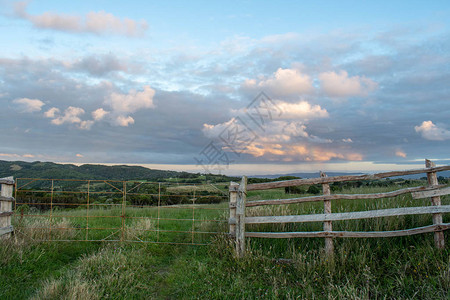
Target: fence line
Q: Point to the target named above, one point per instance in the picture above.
(110, 210)
(238, 203)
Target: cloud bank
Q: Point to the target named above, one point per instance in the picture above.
(284, 136)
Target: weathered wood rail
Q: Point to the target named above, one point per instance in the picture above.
(6, 200)
(238, 203)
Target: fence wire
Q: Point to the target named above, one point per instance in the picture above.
(128, 211)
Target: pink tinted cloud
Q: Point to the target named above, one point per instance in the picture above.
(100, 22)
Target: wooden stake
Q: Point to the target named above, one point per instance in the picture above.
(6, 207)
(240, 217)
(327, 225)
(233, 199)
(439, 241)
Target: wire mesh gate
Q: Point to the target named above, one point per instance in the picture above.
(109, 210)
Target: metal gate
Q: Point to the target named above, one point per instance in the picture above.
(109, 210)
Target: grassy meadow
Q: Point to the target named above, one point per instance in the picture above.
(401, 268)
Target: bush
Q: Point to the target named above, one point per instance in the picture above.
(313, 189)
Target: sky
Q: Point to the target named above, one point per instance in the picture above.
(235, 87)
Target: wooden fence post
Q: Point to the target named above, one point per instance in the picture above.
(240, 217)
(435, 201)
(327, 225)
(6, 200)
(233, 190)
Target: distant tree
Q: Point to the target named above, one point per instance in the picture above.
(313, 189)
(294, 190)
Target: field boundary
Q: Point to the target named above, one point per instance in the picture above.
(75, 210)
(238, 205)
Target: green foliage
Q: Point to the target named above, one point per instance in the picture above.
(314, 189)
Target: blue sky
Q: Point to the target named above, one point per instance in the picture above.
(350, 85)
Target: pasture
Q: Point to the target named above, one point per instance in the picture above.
(400, 267)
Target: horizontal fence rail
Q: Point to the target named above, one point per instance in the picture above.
(413, 191)
(238, 203)
(393, 212)
(114, 210)
(350, 234)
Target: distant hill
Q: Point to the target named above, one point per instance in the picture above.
(37, 169)
(304, 175)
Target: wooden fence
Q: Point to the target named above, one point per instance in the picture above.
(6, 200)
(238, 204)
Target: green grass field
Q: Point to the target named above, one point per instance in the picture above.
(401, 268)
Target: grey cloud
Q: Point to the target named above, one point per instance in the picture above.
(412, 82)
(101, 65)
(170, 135)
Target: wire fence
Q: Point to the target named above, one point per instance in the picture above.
(112, 210)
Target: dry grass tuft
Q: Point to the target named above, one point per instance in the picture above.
(139, 229)
(42, 228)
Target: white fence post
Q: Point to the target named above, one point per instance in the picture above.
(6, 200)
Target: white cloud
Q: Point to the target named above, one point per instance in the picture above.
(133, 101)
(99, 114)
(125, 104)
(348, 140)
(282, 83)
(93, 22)
(301, 110)
(123, 121)
(282, 110)
(71, 116)
(341, 85)
(430, 131)
(29, 105)
(51, 113)
(122, 106)
(79, 155)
